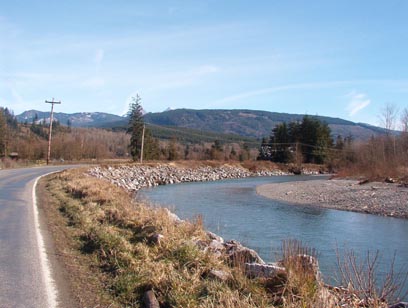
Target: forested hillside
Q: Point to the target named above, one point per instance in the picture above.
(247, 123)
(252, 123)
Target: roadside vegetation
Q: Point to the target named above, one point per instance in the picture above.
(117, 236)
(132, 248)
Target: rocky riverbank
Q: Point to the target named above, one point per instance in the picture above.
(135, 177)
(140, 254)
(384, 199)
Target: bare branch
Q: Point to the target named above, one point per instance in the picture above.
(388, 116)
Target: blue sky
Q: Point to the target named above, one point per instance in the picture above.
(337, 58)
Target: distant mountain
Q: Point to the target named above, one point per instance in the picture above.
(252, 123)
(80, 119)
(247, 123)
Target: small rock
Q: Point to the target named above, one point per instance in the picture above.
(219, 275)
(156, 239)
(362, 182)
(173, 216)
(201, 244)
(400, 305)
(216, 246)
(214, 236)
(150, 300)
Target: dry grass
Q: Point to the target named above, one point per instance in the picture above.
(117, 236)
(301, 288)
(360, 278)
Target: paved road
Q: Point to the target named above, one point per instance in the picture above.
(23, 280)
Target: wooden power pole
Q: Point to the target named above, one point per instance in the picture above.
(51, 120)
(142, 147)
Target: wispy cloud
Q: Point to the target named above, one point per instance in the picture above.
(10, 96)
(179, 79)
(288, 87)
(358, 101)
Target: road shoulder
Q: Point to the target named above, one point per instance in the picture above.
(70, 270)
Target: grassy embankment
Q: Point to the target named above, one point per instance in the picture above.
(112, 254)
(109, 245)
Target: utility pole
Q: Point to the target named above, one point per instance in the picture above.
(141, 150)
(51, 120)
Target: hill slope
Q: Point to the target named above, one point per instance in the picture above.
(251, 123)
(80, 119)
(247, 123)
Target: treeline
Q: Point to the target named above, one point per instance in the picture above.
(29, 142)
(310, 141)
(383, 156)
(176, 147)
(306, 141)
(380, 157)
(8, 125)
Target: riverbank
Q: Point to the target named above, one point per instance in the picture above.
(138, 253)
(142, 256)
(135, 177)
(377, 198)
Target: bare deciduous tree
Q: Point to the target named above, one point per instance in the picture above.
(388, 116)
(404, 120)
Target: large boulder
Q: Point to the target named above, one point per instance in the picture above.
(239, 255)
(256, 270)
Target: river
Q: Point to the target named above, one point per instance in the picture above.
(234, 210)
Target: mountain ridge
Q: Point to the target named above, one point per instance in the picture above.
(78, 119)
(244, 122)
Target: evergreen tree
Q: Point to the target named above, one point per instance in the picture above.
(3, 132)
(315, 139)
(280, 141)
(264, 150)
(12, 122)
(309, 139)
(135, 128)
(151, 146)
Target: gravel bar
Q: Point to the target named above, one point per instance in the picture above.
(347, 195)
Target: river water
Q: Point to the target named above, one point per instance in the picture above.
(234, 210)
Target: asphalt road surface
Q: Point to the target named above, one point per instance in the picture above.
(25, 279)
